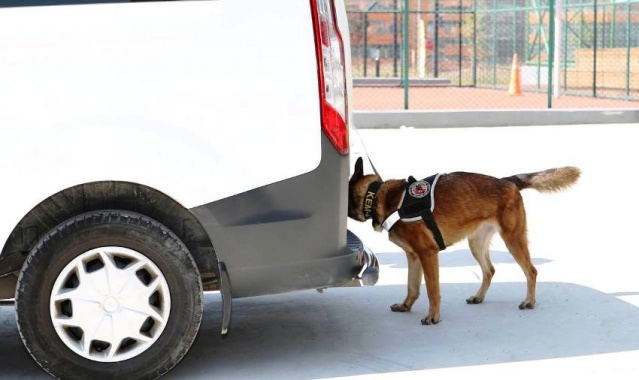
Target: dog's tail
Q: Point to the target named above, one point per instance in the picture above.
(548, 180)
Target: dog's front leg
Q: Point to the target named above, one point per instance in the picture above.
(430, 265)
(414, 282)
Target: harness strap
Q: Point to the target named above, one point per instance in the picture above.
(428, 219)
(432, 226)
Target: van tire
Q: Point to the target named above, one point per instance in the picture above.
(117, 243)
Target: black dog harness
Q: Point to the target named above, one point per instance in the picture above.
(418, 202)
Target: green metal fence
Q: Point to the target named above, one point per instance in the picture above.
(565, 48)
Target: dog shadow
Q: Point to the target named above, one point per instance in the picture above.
(351, 331)
(457, 258)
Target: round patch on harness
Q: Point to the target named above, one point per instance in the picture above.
(419, 189)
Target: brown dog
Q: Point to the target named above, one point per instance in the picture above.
(466, 205)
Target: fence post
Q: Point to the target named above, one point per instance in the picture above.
(494, 47)
(395, 47)
(539, 42)
(603, 26)
(515, 27)
(629, 18)
(565, 49)
(405, 41)
(556, 39)
(365, 42)
(526, 49)
(551, 49)
(460, 45)
(613, 25)
(594, 54)
(474, 43)
(436, 41)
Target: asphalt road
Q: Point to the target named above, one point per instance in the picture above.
(586, 321)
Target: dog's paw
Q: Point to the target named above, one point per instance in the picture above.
(474, 300)
(431, 320)
(526, 305)
(400, 307)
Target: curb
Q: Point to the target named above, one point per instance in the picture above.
(491, 118)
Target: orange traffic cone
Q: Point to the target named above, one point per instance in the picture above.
(514, 88)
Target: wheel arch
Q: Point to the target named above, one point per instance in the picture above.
(117, 195)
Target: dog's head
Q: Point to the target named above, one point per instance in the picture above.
(357, 187)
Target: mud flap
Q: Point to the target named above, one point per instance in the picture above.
(227, 301)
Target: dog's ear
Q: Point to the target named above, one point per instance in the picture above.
(359, 168)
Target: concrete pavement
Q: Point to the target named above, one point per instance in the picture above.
(586, 321)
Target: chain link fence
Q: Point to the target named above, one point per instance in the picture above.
(452, 54)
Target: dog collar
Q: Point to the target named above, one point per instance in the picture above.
(370, 199)
(391, 220)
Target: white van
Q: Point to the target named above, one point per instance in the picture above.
(151, 151)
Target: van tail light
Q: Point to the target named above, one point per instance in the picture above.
(331, 72)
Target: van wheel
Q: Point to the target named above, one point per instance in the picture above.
(109, 294)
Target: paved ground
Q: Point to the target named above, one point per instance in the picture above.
(583, 243)
(466, 98)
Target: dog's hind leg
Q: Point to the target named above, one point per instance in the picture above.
(513, 231)
(479, 243)
(415, 274)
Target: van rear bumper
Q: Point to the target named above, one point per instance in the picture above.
(289, 235)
